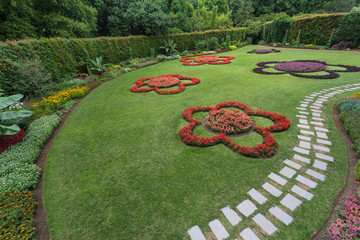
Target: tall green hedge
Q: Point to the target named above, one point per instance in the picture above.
(62, 56)
(349, 28)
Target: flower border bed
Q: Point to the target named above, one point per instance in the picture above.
(144, 82)
(190, 61)
(256, 51)
(331, 73)
(9, 140)
(267, 149)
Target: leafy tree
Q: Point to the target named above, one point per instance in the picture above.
(182, 11)
(339, 6)
(243, 11)
(209, 4)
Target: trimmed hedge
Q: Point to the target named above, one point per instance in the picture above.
(63, 56)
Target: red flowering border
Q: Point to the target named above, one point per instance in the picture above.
(190, 61)
(267, 149)
(138, 88)
(8, 140)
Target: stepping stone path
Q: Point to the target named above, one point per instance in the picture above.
(309, 163)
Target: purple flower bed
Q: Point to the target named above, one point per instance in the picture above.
(264, 51)
(223, 50)
(300, 66)
(347, 224)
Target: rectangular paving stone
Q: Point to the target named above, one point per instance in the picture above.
(196, 234)
(315, 107)
(271, 189)
(321, 135)
(306, 181)
(304, 106)
(248, 234)
(303, 121)
(324, 157)
(320, 165)
(307, 132)
(321, 148)
(316, 174)
(302, 112)
(303, 126)
(304, 138)
(287, 172)
(304, 144)
(301, 158)
(302, 192)
(218, 229)
(246, 208)
(277, 179)
(318, 119)
(231, 215)
(320, 129)
(301, 116)
(265, 224)
(305, 102)
(317, 104)
(281, 215)
(292, 164)
(290, 202)
(325, 142)
(316, 111)
(257, 196)
(301, 108)
(301, 150)
(316, 114)
(317, 123)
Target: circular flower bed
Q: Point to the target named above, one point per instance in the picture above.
(159, 84)
(226, 123)
(210, 59)
(298, 67)
(264, 51)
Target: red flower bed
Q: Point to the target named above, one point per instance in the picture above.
(159, 84)
(227, 122)
(8, 140)
(210, 59)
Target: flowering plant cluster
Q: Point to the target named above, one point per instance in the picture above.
(54, 102)
(80, 76)
(347, 223)
(17, 216)
(264, 51)
(223, 50)
(192, 55)
(299, 67)
(226, 124)
(210, 59)
(159, 84)
(8, 140)
(342, 45)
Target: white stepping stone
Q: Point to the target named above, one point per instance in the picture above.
(304, 144)
(301, 116)
(315, 107)
(290, 202)
(277, 179)
(287, 172)
(321, 148)
(303, 126)
(303, 121)
(292, 164)
(301, 150)
(271, 189)
(257, 196)
(317, 123)
(301, 158)
(316, 114)
(231, 215)
(248, 234)
(307, 132)
(316, 174)
(320, 165)
(320, 129)
(246, 208)
(316, 111)
(195, 233)
(318, 119)
(324, 157)
(301, 108)
(317, 104)
(304, 106)
(321, 141)
(304, 138)
(306, 181)
(302, 192)
(265, 224)
(321, 135)
(302, 112)
(218, 229)
(281, 215)
(305, 102)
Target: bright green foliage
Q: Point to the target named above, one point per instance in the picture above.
(169, 47)
(204, 20)
(98, 66)
(200, 45)
(279, 28)
(349, 28)
(253, 29)
(210, 4)
(182, 12)
(242, 11)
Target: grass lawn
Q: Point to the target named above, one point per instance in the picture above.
(117, 169)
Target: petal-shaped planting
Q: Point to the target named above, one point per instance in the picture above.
(210, 59)
(264, 51)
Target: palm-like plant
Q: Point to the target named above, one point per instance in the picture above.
(169, 46)
(98, 66)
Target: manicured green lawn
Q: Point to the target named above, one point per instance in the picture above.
(118, 170)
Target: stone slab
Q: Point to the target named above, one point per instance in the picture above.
(231, 215)
(315, 107)
(321, 135)
(315, 174)
(316, 111)
(316, 114)
(321, 148)
(218, 229)
(318, 119)
(305, 113)
(257, 196)
(317, 123)
(306, 181)
(307, 132)
(290, 202)
(281, 215)
(265, 224)
(304, 144)
(301, 108)
(325, 142)
(287, 172)
(304, 106)
(303, 121)
(302, 192)
(301, 158)
(248, 234)
(305, 138)
(303, 126)
(246, 208)
(320, 165)
(292, 164)
(277, 179)
(195, 233)
(301, 150)
(271, 189)
(324, 157)
(301, 116)
(320, 129)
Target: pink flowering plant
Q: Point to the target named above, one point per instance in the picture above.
(347, 223)
(209, 59)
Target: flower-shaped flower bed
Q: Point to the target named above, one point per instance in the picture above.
(159, 84)
(210, 59)
(224, 123)
(264, 51)
(304, 68)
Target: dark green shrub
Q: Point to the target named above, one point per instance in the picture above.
(279, 27)
(254, 30)
(266, 32)
(349, 28)
(213, 43)
(200, 45)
